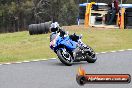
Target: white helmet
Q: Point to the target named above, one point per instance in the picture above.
(54, 25)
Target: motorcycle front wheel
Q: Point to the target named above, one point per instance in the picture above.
(65, 57)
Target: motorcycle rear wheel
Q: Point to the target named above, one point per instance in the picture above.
(91, 56)
(65, 58)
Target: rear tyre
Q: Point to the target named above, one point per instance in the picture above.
(65, 57)
(90, 59)
(90, 55)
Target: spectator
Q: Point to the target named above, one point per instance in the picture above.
(112, 12)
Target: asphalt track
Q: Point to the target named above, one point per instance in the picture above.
(53, 74)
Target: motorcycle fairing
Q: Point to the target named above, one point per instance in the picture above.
(67, 42)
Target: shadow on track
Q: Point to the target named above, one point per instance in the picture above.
(75, 63)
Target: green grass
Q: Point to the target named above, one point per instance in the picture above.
(21, 46)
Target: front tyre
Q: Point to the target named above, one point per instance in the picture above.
(65, 57)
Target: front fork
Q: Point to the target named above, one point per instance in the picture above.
(65, 52)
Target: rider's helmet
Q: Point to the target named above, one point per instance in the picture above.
(54, 27)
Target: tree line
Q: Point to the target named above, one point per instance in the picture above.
(16, 15)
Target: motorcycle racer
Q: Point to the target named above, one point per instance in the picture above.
(69, 48)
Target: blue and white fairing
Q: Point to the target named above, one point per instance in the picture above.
(67, 42)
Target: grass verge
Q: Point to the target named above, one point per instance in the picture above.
(21, 46)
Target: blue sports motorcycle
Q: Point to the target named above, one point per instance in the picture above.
(70, 48)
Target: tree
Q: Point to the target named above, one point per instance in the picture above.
(16, 15)
(69, 13)
(58, 10)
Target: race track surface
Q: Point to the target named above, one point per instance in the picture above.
(53, 74)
